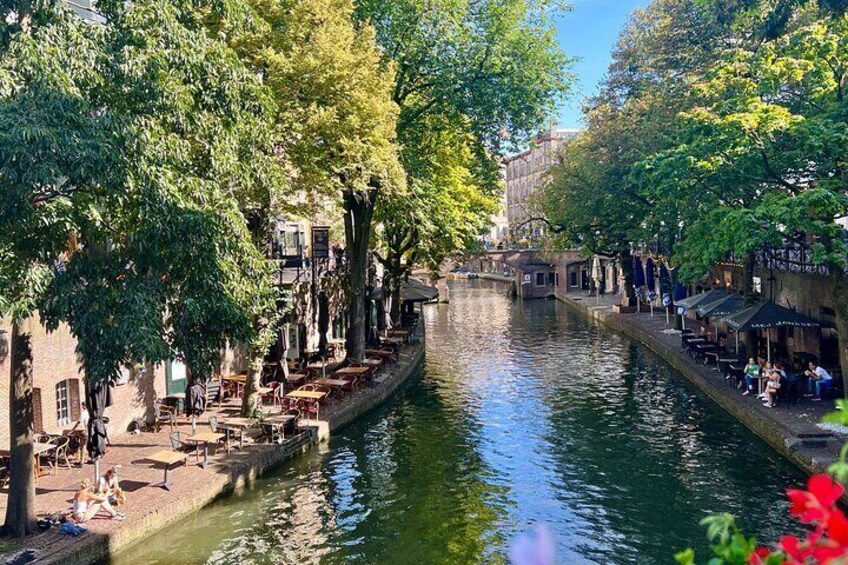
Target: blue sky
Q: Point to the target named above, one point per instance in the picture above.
(590, 32)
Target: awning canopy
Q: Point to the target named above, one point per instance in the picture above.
(722, 307)
(703, 298)
(769, 315)
(411, 291)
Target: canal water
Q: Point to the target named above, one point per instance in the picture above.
(525, 413)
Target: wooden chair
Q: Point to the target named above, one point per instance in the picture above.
(164, 415)
(215, 428)
(270, 396)
(61, 452)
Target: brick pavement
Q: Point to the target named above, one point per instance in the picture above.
(149, 507)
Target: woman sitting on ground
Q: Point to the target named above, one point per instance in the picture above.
(752, 373)
(772, 386)
(109, 487)
(87, 504)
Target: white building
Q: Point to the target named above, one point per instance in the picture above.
(525, 173)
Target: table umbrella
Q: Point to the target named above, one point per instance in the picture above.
(409, 292)
(665, 289)
(769, 315)
(284, 351)
(596, 276)
(323, 322)
(195, 402)
(638, 280)
(650, 282)
(98, 397)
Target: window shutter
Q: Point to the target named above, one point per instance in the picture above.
(74, 399)
(37, 420)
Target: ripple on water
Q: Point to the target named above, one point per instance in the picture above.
(525, 413)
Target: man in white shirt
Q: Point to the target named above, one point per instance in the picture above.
(816, 377)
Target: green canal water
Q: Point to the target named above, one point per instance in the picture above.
(525, 413)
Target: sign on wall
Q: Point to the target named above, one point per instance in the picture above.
(320, 242)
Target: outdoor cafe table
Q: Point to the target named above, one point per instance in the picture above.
(239, 424)
(38, 449)
(352, 371)
(339, 384)
(178, 399)
(167, 458)
(239, 379)
(306, 394)
(314, 396)
(723, 361)
(263, 390)
(296, 379)
(712, 356)
(372, 362)
(205, 438)
(277, 422)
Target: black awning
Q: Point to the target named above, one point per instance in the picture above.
(769, 315)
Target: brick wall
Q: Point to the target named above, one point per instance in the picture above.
(54, 360)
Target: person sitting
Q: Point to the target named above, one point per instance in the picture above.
(772, 386)
(764, 378)
(817, 377)
(87, 504)
(109, 486)
(752, 373)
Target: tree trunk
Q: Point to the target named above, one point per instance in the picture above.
(628, 292)
(840, 304)
(250, 401)
(359, 210)
(20, 508)
(748, 274)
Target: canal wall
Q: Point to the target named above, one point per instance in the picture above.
(793, 435)
(148, 514)
(798, 439)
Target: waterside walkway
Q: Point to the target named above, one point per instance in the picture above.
(790, 429)
(151, 508)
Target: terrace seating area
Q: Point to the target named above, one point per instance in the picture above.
(176, 458)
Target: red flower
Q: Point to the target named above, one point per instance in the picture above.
(759, 554)
(837, 528)
(816, 503)
(824, 489)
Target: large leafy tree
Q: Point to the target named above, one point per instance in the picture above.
(764, 150)
(471, 78)
(122, 148)
(335, 121)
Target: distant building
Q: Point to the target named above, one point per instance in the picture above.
(85, 9)
(498, 225)
(525, 173)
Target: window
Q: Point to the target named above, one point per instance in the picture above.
(37, 419)
(67, 402)
(540, 279)
(572, 279)
(551, 279)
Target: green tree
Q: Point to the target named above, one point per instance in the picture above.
(762, 157)
(335, 122)
(121, 151)
(471, 77)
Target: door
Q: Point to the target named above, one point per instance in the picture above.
(175, 377)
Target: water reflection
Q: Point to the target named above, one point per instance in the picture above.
(525, 413)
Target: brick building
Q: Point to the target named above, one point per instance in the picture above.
(58, 385)
(525, 173)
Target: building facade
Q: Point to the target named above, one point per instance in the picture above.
(524, 174)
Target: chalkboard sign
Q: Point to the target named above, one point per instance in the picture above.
(320, 242)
